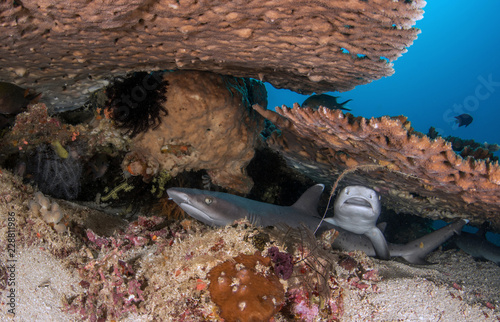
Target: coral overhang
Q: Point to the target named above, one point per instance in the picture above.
(67, 50)
(413, 173)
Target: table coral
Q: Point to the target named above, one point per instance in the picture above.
(245, 289)
(413, 173)
(67, 50)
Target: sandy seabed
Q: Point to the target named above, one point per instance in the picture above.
(456, 288)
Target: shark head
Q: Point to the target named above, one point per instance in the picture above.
(220, 209)
(357, 209)
(209, 207)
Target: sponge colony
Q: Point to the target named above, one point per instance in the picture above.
(50, 212)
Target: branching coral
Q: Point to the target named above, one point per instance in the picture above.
(413, 173)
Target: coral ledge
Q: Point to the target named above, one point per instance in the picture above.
(67, 50)
(413, 173)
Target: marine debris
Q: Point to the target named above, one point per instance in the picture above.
(417, 175)
(300, 45)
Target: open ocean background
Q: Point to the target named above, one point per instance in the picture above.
(452, 68)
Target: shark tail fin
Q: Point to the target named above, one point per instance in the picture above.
(416, 251)
(308, 202)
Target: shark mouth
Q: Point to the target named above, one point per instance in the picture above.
(357, 201)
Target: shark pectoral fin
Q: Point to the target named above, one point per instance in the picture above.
(379, 243)
(331, 220)
(415, 259)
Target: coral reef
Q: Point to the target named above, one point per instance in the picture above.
(413, 173)
(210, 125)
(474, 149)
(245, 289)
(301, 45)
(112, 287)
(468, 147)
(152, 269)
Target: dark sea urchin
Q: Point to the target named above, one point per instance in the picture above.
(136, 102)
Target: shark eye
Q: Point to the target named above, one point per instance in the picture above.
(346, 191)
(371, 196)
(208, 200)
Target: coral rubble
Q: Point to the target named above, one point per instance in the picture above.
(68, 50)
(210, 125)
(414, 174)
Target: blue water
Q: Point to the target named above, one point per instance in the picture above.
(442, 75)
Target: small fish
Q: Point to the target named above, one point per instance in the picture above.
(13, 99)
(463, 119)
(328, 101)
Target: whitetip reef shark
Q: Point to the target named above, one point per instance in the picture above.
(357, 209)
(220, 209)
(478, 246)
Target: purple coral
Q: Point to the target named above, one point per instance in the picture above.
(283, 262)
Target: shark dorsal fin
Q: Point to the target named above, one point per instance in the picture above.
(308, 202)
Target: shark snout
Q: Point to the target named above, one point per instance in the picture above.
(177, 195)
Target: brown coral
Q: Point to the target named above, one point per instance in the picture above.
(245, 289)
(66, 50)
(416, 175)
